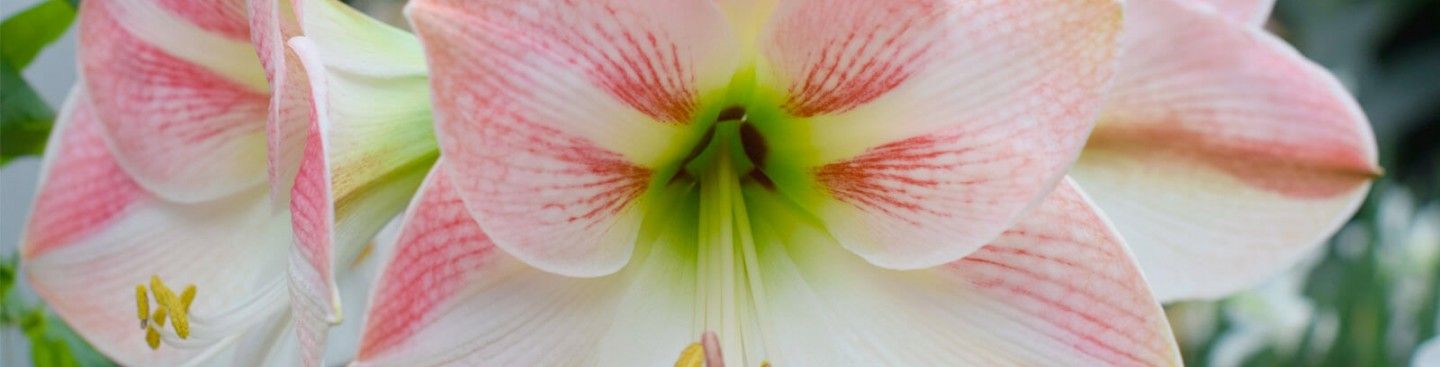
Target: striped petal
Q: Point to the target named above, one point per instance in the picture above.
(95, 234)
(553, 114)
(934, 125)
(1222, 154)
(272, 22)
(182, 92)
(450, 296)
(369, 146)
(1058, 289)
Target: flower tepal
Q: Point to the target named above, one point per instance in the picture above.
(659, 169)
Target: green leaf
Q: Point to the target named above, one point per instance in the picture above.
(25, 34)
(25, 119)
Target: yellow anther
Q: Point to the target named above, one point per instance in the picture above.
(159, 317)
(764, 363)
(692, 356)
(175, 307)
(142, 304)
(152, 338)
(187, 296)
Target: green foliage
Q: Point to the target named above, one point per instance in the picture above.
(25, 119)
(25, 34)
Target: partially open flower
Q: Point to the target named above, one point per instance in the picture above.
(165, 191)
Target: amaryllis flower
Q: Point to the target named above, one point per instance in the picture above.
(1222, 155)
(162, 229)
(805, 183)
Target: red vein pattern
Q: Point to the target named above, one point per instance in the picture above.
(852, 53)
(433, 259)
(173, 123)
(224, 17)
(534, 100)
(312, 278)
(621, 48)
(940, 122)
(1069, 271)
(84, 190)
(271, 24)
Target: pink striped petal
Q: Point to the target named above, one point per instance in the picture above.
(369, 145)
(552, 114)
(1245, 11)
(937, 124)
(1058, 289)
(272, 22)
(95, 234)
(182, 96)
(449, 296)
(1223, 155)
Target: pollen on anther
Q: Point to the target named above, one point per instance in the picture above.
(159, 317)
(142, 304)
(692, 356)
(152, 337)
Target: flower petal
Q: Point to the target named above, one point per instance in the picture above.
(1222, 155)
(271, 24)
(95, 234)
(450, 296)
(1057, 289)
(368, 148)
(939, 124)
(553, 114)
(1254, 12)
(183, 98)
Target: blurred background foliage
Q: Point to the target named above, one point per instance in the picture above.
(1369, 297)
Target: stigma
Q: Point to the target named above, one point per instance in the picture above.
(705, 353)
(168, 306)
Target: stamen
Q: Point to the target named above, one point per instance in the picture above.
(142, 305)
(705, 353)
(754, 143)
(692, 356)
(159, 317)
(152, 338)
(732, 113)
(172, 307)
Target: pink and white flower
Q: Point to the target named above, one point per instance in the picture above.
(173, 162)
(803, 183)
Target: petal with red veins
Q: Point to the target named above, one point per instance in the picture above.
(1222, 155)
(935, 125)
(553, 114)
(368, 148)
(271, 24)
(450, 296)
(1059, 288)
(182, 98)
(95, 234)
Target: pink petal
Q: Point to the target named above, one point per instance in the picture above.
(1245, 11)
(183, 109)
(369, 145)
(1223, 155)
(1058, 289)
(450, 296)
(936, 125)
(553, 114)
(272, 22)
(95, 234)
